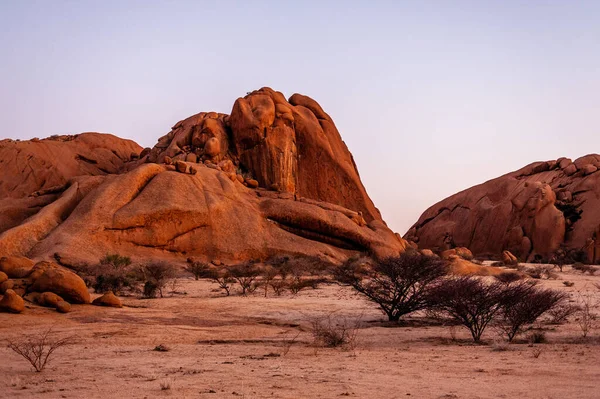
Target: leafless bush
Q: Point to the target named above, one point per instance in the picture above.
(332, 331)
(538, 272)
(537, 337)
(560, 313)
(166, 384)
(536, 352)
(399, 285)
(470, 301)
(522, 304)
(37, 349)
(245, 274)
(508, 277)
(584, 268)
(288, 341)
(586, 318)
(568, 283)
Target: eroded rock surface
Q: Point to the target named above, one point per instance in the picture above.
(531, 212)
(273, 178)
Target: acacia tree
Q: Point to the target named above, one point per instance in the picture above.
(522, 304)
(399, 285)
(470, 301)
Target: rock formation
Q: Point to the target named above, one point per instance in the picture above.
(273, 178)
(532, 213)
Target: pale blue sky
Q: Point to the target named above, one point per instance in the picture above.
(431, 97)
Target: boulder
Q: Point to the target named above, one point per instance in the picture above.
(509, 259)
(11, 302)
(181, 166)
(108, 299)
(461, 252)
(63, 307)
(212, 147)
(47, 276)
(16, 266)
(49, 299)
(3, 277)
(6, 285)
(252, 183)
(428, 252)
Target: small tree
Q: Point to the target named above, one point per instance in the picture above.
(198, 269)
(156, 275)
(398, 285)
(113, 273)
(37, 349)
(470, 301)
(245, 274)
(522, 304)
(222, 277)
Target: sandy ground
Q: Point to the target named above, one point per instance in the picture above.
(231, 347)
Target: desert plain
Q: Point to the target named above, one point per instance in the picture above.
(218, 346)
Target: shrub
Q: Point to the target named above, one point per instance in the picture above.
(508, 277)
(331, 331)
(584, 268)
(399, 285)
(156, 276)
(585, 314)
(245, 274)
(522, 304)
(114, 273)
(560, 313)
(537, 337)
(197, 269)
(222, 277)
(470, 301)
(38, 349)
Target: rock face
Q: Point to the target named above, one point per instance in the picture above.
(36, 172)
(273, 178)
(531, 212)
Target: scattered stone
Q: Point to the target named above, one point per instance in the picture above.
(191, 157)
(252, 183)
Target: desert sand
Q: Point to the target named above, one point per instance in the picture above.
(226, 347)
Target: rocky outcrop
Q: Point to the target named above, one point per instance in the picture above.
(36, 172)
(273, 178)
(531, 213)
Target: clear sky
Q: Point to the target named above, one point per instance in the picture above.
(431, 97)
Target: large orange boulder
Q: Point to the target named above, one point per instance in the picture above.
(531, 213)
(16, 266)
(109, 299)
(11, 302)
(273, 178)
(47, 276)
